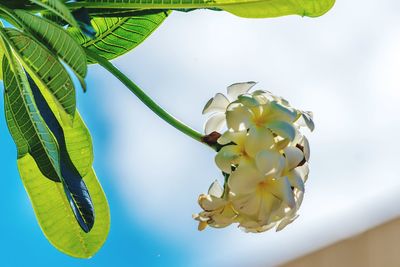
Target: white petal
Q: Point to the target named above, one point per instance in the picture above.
(249, 205)
(285, 222)
(224, 218)
(268, 161)
(306, 148)
(259, 138)
(296, 180)
(268, 204)
(218, 103)
(210, 203)
(299, 199)
(238, 117)
(248, 223)
(214, 123)
(248, 101)
(235, 137)
(226, 156)
(282, 190)
(303, 171)
(282, 129)
(293, 157)
(260, 96)
(215, 189)
(244, 179)
(280, 112)
(306, 120)
(237, 89)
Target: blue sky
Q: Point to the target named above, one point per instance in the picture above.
(342, 66)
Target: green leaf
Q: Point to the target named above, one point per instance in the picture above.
(58, 40)
(116, 36)
(58, 8)
(55, 216)
(77, 137)
(27, 114)
(28, 129)
(241, 8)
(43, 66)
(75, 188)
(1, 60)
(83, 18)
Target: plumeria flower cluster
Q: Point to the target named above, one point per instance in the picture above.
(263, 157)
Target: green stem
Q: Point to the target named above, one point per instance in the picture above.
(145, 98)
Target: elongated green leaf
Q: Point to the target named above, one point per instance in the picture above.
(54, 18)
(242, 8)
(116, 36)
(79, 145)
(74, 186)
(55, 216)
(21, 143)
(58, 8)
(58, 40)
(1, 60)
(43, 66)
(77, 138)
(29, 113)
(28, 128)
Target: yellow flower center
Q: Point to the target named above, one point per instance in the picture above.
(263, 187)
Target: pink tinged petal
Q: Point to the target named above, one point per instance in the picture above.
(238, 117)
(244, 179)
(285, 222)
(214, 123)
(258, 139)
(237, 89)
(282, 190)
(293, 157)
(268, 162)
(283, 129)
(215, 189)
(218, 103)
(280, 112)
(226, 157)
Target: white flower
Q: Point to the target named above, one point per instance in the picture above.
(218, 212)
(264, 157)
(218, 104)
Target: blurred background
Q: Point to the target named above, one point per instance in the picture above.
(343, 66)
